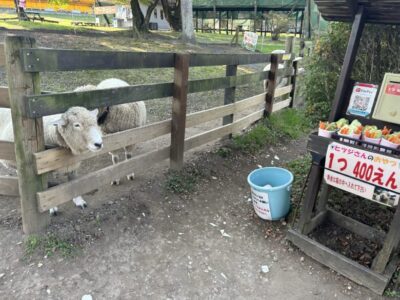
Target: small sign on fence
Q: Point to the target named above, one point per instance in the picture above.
(366, 174)
(250, 40)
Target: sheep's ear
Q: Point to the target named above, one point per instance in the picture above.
(94, 112)
(59, 122)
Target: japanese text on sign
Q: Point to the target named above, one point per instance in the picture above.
(367, 174)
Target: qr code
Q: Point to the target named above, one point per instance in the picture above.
(360, 102)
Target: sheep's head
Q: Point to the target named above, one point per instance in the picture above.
(79, 130)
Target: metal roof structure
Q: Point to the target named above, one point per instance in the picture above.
(376, 11)
(249, 5)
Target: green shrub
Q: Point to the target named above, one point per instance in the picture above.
(376, 56)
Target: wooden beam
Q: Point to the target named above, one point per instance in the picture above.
(4, 99)
(349, 59)
(227, 82)
(283, 91)
(216, 133)
(179, 104)
(53, 60)
(229, 95)
(57, 158)
(391, 242)
(318, 220)
(9, 186)
(89, 182)
(28, 133)
(200, 59)
(2, 56)
(339, 263)
(49, 104)
(281, 105)
(356, 227)
(271, 85)
(7, 150)
(204, 116)
(308, 204)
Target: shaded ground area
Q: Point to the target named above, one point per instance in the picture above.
(139, 240)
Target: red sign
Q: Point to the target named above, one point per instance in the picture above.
(393, 89)
(364, 173)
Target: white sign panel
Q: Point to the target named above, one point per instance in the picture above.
(367, 174)
(362, 99)
(261, 204)
(250, 40)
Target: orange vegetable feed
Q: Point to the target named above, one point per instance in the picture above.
(386, 131)
(358, 130)
(394, 139)
(344, 130)
(322, 125)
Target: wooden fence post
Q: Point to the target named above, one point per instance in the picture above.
(271, 84)
(229, 96)
(179, 104)
(28, 133)
(302, 46)
(293, 82)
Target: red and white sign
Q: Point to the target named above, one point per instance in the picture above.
(367, 174)
(393, 89)
(362, 99)
(250, 40)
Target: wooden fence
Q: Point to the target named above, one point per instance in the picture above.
(24, 62)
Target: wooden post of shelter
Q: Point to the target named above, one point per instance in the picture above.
(28, 133)
(179, 104)
(314, 210)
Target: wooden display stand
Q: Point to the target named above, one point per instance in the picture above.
(314, 209)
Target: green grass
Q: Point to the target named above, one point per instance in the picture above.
(183, 182)
(48, 245)
(291, 123)
(64, 24)
(255, 139)
(392, 293)
(288, 123)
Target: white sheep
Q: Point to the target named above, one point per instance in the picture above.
(76, 129)
(119, 117)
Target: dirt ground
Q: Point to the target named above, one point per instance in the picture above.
(141, 241)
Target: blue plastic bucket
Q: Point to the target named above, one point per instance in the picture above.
(271, 203)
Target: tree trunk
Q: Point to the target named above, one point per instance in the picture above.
(16, 6)
(187, 21)
(138, 19)
(150, 9)
(173, 14)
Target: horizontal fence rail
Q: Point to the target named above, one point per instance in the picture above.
(9, 186)
(7, 151)
(52, 60)
(49, 104)
(56, 158)
(4, 98)
(44, 105)
(84, 184)
(2, 56)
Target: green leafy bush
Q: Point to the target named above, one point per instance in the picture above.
(376, 56)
